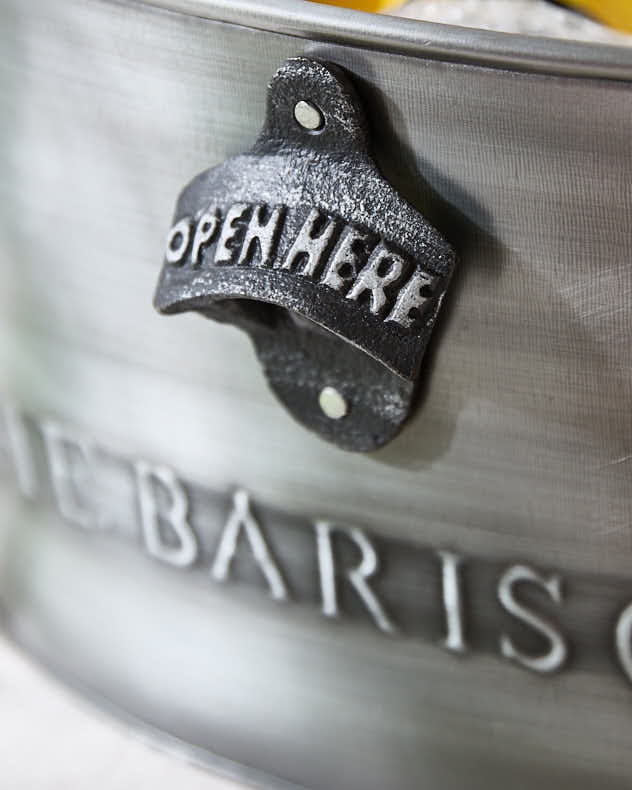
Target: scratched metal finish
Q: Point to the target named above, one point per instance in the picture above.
(519, 450)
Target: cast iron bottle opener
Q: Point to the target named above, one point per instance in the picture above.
(303, 244)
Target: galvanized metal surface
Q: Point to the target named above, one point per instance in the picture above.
(419, 39)
(519, 454)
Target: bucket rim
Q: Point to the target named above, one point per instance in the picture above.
(415, 38)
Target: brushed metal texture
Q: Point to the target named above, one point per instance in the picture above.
(299, 18)
(520, 449)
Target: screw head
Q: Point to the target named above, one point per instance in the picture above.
(332, 403)
(308, 116)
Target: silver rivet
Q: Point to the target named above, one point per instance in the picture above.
(332, 403)
(308, 116)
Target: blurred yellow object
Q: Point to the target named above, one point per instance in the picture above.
(615, 13)
(362, 5)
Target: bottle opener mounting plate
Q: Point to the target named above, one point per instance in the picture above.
(302, 243)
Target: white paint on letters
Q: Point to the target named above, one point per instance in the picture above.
(345, 255)
(21, 452)
(204, 233)
(148, 478)
(178, 241)
(452, 601)
(623, 640)
(310, 246)
(411, 297)
(555, 658)
(224, 253)
(370, 278)
(261, 235)
(69, 462)
(357, 576)
(241, 516)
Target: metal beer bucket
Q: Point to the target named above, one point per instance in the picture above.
(452, 609)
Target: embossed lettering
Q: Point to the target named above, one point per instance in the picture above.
(241, 517)
(178, 241)
(412, 297)
(347, 258)
(252, 235)
(311, 244)
(204, 233)
(358, 576)
(71, 474)
(261, 235)
(224, 252)
(452, 601)
(21, 452)
(156, 518)
(374, 279)
(556, 656)
(85, 478)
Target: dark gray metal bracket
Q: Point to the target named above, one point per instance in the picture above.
(303, 244)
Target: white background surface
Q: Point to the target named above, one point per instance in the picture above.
(52, 740)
